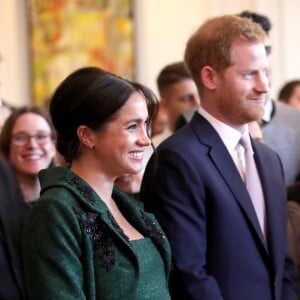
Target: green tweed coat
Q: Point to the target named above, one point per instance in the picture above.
(73, 248)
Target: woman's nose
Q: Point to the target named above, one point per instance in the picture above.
(144, 138)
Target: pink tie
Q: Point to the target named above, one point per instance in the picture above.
(253, 183)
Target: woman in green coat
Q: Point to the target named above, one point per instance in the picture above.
(84, 238)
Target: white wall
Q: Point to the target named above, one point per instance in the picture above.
(289, 40)
(162, 29)
(14, 65)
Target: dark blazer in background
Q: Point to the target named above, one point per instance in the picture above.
(199, 198)
(12, 214)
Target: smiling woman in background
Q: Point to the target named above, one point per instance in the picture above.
(97, 242)
(27, 146)
(27, 142)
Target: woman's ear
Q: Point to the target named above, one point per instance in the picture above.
(85, 135)
(209, 77)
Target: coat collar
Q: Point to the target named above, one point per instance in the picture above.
(144, 222)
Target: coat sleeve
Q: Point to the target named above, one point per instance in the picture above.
(12, 212)
(173, 192)
(52, 252)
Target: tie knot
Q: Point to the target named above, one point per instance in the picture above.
(246, 143)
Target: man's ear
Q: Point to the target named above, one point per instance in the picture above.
(85, 136)
(209, 77)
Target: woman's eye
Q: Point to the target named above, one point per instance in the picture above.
(132, 127)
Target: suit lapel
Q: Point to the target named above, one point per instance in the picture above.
(226, 167)
(273, 205)
(231, 176)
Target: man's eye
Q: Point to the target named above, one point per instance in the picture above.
(249, 74)
(187, 98)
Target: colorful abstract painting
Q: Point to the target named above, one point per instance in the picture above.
(68, 34)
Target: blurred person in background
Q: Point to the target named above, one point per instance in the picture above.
(160, 122)
(290, 94)
(27, 146)
(255, 131)
(27, 143)
(130, 184)
(178, 93)
(294, 226)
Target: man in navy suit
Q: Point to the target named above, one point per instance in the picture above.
(194, 182)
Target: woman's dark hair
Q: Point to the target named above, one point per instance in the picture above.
(287, 91)
(91, 96)
(262, 20)
(8, 126)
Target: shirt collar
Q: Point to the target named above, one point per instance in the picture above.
(228, 135)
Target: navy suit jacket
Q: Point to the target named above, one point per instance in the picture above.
(199, 198)
(12, 214)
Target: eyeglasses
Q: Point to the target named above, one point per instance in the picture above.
(22, 138)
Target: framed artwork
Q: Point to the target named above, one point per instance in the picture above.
(68, 34)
